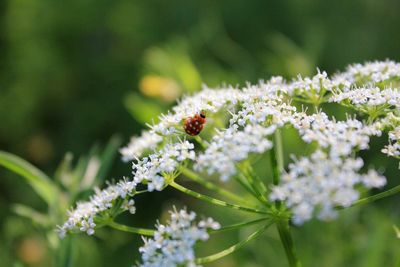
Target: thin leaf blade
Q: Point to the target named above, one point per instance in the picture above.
(39, 181)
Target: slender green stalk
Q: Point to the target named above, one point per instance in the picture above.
(214, 201)
(135, 230)
(287, 241)
(241, 179)
(282, 224)
(259, 183)
(373, 198)
(233, 248)
(238, 225)
(276, 155)
(196, 178)
(254, 181)
(211, 186)
(200, 141)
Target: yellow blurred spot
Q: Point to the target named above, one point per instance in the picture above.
(31, 251)
(39, 148)
(157, 86)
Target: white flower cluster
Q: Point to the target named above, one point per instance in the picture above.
(137, 145)
(173, 243)
(255, 112)
(207, 100)
(171, 124)
(371, 72)
(393, 148)
(248, 131)
(212, 101)
(231, 146)
(82, 218)
(341, 136)
(369, 98)
(150, 169)
(320, 183)
(317, 84)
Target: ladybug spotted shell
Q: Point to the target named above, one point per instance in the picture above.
(194, 125)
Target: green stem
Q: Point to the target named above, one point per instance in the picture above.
(287, 241)
(196, 178)
(241, 179)
(276, 155)
(135, 230)
(373, 198)
(282, 224)
(214, 201)
(255, 182)
(233, 248)
(200, 141)
(238, 225)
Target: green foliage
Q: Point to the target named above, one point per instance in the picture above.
(69, 183)
(70, 75)
(37, 179)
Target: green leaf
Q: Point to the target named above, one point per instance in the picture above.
(64, 170)
(65, 255)
(397, 230)
(107, 157)
(39, 181)
(142, 109)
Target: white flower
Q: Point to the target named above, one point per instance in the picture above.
(150, 169)
(137, 145)
(82, 217)
(392, 150)
(394, 135)
(130, 206)
(231, 146)
(250, 115)
(173, 243)
(374, 72)
(341, 136)
(368, 98)
(316, 85)
(320, 183)
(208, 100)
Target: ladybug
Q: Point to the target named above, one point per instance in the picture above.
(194, 125)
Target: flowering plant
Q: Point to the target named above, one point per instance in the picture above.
(242, 123)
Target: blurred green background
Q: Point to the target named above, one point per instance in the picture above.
(73, 73)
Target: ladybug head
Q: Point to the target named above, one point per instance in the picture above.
(203, 114)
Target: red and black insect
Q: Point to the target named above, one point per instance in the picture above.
(194, 125)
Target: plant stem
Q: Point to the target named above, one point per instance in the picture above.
(200, 141)
(276, 155)
(241, 179)
(282, 224)
(287, 241)
(196, 178)
(373, 198)
(238, 225)
(135, 230)
(214, 201)
(233, 248)
(255, 182)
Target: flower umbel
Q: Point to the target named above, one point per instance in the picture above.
(244, 127)
(173, 243)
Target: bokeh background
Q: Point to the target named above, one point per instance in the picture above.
(74, 73)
